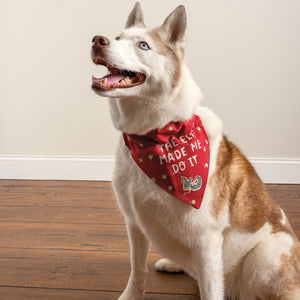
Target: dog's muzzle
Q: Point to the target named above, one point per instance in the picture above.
(117, 78)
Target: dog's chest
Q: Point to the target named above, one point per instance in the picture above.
(155, 210)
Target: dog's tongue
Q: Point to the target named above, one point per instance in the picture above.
(114, 79)
(108, 81)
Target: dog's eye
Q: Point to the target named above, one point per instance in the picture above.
(117, 38)
(144, 46)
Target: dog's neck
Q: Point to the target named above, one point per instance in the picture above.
(140, 115)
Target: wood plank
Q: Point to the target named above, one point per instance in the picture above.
(61, 187)
(56, 193)
(84, 270)
(58, 199)
(16, 293)
(287, 189)
(290, 206)
(59, 190)
(52, 236)
(54, 183)
(287, 196)
(60, 215)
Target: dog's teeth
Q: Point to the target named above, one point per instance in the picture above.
(104, 81)
(127, 79)
(122, 82)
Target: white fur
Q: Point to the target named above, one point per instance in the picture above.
(160, 109)
(193, 240)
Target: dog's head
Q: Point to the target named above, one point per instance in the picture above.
(140, 59)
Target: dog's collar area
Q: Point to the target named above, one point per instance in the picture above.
(116, 78)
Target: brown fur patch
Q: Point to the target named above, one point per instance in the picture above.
(290, 271)
(163, 48)
(237, 186)
(219, 181)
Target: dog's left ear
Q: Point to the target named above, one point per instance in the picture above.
(174, 27)
(136, 17)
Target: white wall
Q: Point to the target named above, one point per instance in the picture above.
(244, 55)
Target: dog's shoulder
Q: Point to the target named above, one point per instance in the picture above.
(211, 122)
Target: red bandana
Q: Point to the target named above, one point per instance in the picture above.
(175, 157)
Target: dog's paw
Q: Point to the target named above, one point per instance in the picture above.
(165, 265)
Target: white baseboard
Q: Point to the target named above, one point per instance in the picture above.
(281, 171)
(57, 167)
(284, 171)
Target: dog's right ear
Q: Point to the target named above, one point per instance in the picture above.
(174, 27)
(136, 17)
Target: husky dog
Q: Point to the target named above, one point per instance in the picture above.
(232, 239)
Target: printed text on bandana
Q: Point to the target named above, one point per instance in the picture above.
(176, 155)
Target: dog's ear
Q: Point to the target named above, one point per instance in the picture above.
(136, 17)
(174, 27)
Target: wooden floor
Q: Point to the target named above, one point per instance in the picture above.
(66, 240)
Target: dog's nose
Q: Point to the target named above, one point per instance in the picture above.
(100, 41)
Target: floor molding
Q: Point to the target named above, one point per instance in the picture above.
(281, 171)
(57, 167)
(284, 171)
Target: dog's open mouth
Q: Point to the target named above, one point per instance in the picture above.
(116, 78)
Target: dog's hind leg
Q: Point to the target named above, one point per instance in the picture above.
(166, 265)
(139, 249)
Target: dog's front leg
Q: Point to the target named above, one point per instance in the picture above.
(208, 256)
(139, 248)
